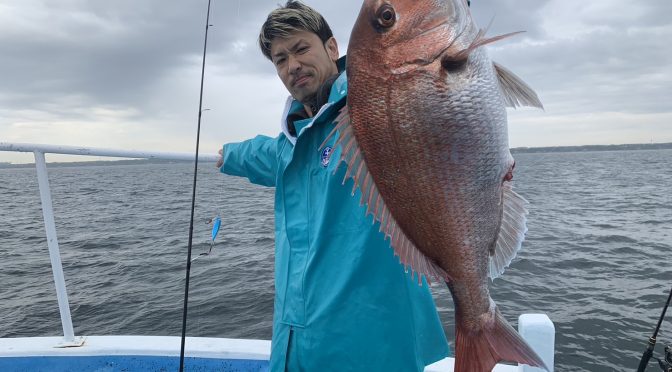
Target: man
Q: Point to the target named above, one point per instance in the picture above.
(343, 302)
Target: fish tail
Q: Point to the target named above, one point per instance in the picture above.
(481, 351)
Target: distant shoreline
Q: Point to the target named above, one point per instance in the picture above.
(516, 150)
(590, 148)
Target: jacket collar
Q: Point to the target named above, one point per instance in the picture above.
(339, 90)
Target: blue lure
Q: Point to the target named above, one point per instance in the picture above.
(216, 224)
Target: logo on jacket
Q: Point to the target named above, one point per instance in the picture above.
(324, 158)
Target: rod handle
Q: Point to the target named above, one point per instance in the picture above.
(644, 362)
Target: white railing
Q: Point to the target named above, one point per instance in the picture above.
(39, 150)
(113, 153)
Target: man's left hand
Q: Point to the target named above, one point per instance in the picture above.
(220, 159)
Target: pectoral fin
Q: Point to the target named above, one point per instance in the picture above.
(514, 90)
(511, 232)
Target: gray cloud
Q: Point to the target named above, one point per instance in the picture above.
(106, 52)
(66, 61)
(603, 63)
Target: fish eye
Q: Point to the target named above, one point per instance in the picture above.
(453, 64)
(386, 16)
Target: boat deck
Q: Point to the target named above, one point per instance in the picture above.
(151, 353)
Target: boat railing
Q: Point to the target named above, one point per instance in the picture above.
(39, 151)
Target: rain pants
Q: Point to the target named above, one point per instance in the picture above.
(343, 302)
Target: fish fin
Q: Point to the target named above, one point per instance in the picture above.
(511, 231)
(514, 90)
(479, 41)
(497, 341)
(351, 154)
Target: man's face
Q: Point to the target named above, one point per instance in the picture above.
(303, 62)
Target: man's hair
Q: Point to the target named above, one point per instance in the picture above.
(294, 16)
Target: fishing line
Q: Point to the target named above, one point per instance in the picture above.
(193, 196)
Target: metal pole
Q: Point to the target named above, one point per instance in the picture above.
(54, 253)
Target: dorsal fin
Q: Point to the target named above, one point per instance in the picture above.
(511, 231)
(514, 90)
(351, 154)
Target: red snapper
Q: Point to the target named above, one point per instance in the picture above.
(424, 136)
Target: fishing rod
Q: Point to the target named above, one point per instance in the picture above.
(652, 344)
(193, 196)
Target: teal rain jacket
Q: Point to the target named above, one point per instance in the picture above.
(343, 302)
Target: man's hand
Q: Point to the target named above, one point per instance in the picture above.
(220, 159)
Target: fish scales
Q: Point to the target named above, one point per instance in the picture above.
(426, 106)
(423, 146)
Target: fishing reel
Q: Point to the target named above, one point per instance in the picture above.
(666, 364)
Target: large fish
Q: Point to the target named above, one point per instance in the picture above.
(424, 135)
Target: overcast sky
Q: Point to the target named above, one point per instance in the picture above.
(126, 73)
